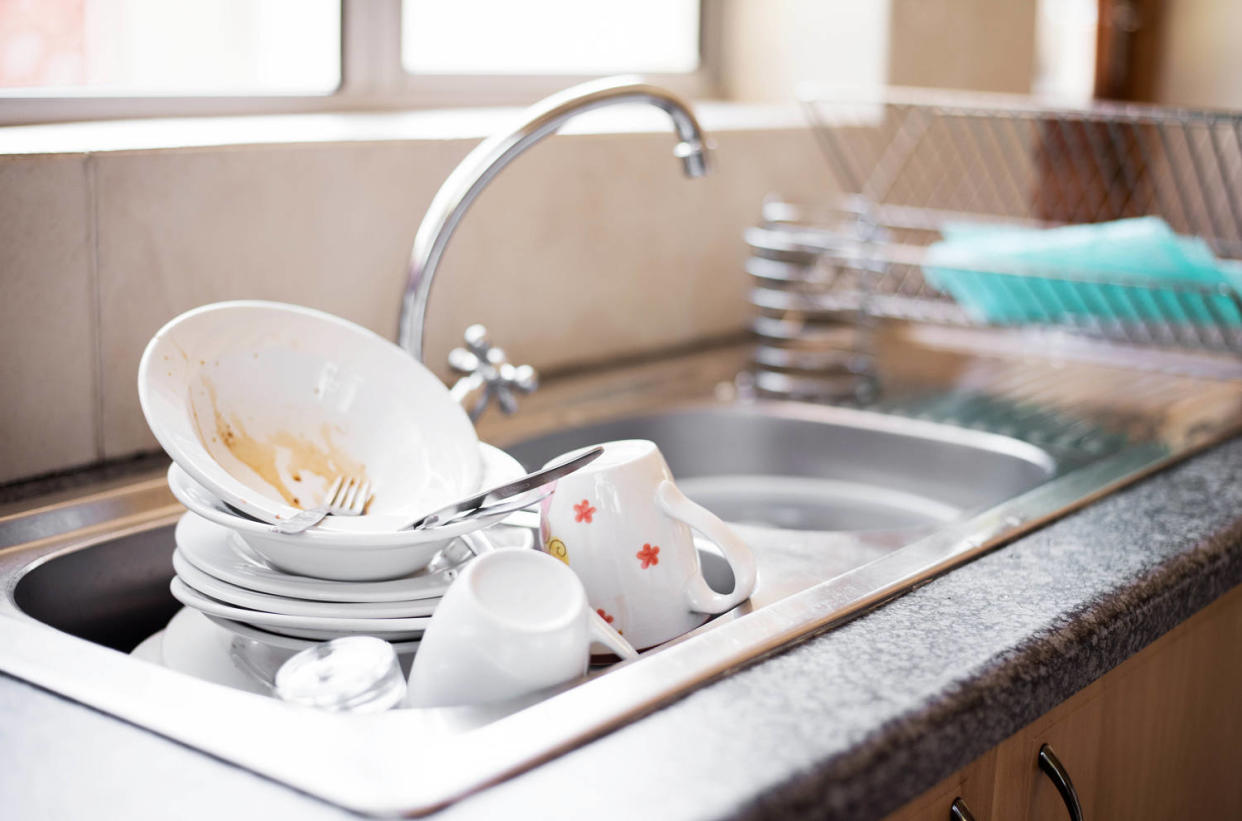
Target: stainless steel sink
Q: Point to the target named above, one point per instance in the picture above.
(807, 467)
(844, 509)
(856, 481)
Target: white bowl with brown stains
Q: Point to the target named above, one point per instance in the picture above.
(356, 557)
(264, 404)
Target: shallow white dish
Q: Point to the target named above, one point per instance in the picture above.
(150, 649)
(317, 626)
(227, 593)
(326, 554)
(198, 648)
(264, 403)
(405, 649)
(315, 636)
(228, 653)
(220, 552)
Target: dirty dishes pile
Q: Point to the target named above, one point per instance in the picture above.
(237, 571)
(261, 406)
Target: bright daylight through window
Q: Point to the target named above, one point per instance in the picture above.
(80, 59)
(156, 47)
(549, 37)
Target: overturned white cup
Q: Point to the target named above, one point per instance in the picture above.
(513, 623)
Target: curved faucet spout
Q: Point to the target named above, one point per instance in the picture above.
(483, 163)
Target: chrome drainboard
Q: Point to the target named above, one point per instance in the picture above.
(414, 761)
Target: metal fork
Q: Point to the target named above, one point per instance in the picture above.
(347, 496)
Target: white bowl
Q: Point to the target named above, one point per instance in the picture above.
(326, 554)
(264, 403)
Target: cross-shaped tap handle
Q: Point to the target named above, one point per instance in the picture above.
(488, 375)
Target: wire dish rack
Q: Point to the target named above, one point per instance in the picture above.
(911, 163)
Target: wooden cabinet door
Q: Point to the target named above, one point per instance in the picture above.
(1023, 792)
(1171, 742)
(1158, 738)
(972, 783)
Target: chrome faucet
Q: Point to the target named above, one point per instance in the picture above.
(483, 163)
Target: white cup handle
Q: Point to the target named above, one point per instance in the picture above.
(607, 635)
(736, 552)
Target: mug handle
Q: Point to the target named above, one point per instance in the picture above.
(736, 552)
(607, 635)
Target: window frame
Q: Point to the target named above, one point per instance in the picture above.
(372, 79)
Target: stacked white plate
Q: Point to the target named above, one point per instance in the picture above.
(220, 576)
(245, 611)
(244, 617)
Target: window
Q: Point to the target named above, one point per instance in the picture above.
(154, 47)
(549, 37)
(88, 59)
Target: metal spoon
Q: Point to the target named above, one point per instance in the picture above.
(500, 498)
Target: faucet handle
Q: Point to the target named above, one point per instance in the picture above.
(478, 342)
(488, 375)
(463, 361)
(523, 378)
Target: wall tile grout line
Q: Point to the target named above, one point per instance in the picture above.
(96, 303)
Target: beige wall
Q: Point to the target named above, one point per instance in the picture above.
(590, 247)
(1201, 57)
(980, 45)
(771, 49)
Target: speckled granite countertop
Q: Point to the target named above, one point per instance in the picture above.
(849, 724)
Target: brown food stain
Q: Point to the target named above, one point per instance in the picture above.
(327, 461)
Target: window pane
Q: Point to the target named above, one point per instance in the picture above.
(549, 36)
(178, 47)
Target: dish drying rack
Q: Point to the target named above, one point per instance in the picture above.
(908, 163)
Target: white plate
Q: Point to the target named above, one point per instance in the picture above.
(220, 552)
(405, 649)
(151, 649)
(316, 636)
(279, 623)
(227, 653)
(198, 648)
(227, 593)
(263, 403)
(341, 557)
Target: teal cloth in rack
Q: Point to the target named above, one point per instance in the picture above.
(1012, 275)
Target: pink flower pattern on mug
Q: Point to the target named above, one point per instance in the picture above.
(607, 618)
(583, 512)
(649, 555)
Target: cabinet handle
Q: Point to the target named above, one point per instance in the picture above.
(959, 811)
(1055, 770)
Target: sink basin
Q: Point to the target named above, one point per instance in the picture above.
(806, 467)
(844, 509)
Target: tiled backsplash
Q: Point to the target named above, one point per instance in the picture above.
(591, 246)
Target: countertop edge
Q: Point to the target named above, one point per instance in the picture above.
(1036, 675)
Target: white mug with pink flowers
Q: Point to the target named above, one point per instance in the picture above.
(623, 526)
